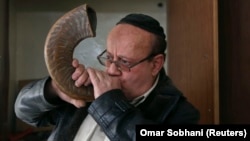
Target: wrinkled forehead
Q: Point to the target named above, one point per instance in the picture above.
(128, 29)
(129, 39)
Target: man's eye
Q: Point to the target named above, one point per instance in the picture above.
(124, 62)
(109, 57)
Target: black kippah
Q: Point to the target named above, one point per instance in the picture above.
(144, 22)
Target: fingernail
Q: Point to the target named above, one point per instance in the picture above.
(76, 84)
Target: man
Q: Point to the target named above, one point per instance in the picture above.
(134, 89)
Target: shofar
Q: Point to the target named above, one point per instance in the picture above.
(66, 33)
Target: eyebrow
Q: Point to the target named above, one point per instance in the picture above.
(121, 57)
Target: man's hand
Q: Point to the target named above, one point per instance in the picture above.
(102, 82)
(80, 76)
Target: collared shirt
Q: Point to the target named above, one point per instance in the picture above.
(91, 131)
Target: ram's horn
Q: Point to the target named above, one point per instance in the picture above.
(66, 33)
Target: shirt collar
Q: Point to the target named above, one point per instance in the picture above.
(138, 100)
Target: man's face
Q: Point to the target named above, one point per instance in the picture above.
(131, 44)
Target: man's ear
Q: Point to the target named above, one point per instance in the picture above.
(158, 62)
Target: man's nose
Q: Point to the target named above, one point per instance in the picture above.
(113, 69)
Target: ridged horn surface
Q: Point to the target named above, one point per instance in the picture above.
(66, 33)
